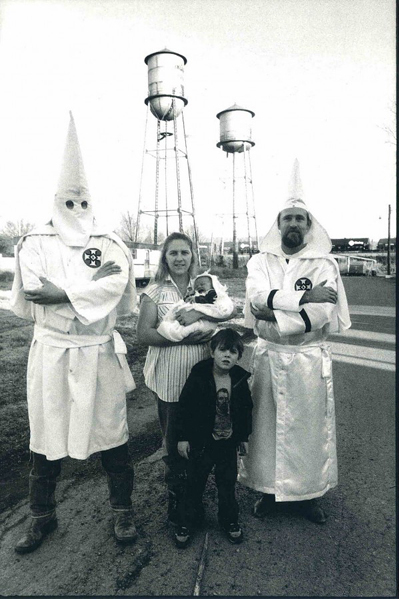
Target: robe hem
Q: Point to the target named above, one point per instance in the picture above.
(280, 497)
(75, 457)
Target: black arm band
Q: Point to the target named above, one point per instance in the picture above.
(306, 321)
(270, 298)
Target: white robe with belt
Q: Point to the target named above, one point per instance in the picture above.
(292, 449)
(77, 369)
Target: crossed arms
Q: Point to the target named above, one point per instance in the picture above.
(284, 309)
(318, 295)
(51, 294)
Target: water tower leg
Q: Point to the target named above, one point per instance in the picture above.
(253, 203)
(179, 207)
(235, 249)
(246, 202)
(139, 211)
(196, 241)
(156, 215)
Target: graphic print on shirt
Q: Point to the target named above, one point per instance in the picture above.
(223, 427)
(303, 284)
(92, 257)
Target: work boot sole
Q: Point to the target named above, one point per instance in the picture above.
(45, 530)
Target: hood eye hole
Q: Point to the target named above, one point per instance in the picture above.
(69, 204)
(84, 204)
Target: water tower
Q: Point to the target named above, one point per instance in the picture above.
(236, 139)
(169, 194)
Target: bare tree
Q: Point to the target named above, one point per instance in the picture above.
(127, 226)
(390, 129)
(191, 233)
(16, 229)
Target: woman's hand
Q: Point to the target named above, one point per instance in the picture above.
(107, 269)
(197, 337)
(186, 317)
(183, 447)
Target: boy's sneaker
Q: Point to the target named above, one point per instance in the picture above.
(182, 537)
(234, 533)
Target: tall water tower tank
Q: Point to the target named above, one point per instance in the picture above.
(166, 84)
(235, 129)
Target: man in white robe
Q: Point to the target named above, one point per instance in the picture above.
(295, 293)
(72, 279)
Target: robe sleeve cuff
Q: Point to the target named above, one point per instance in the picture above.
(306, 320)
(278, 299)
(289, 324)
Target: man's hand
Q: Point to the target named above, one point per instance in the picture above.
(319, 294)
(264, 314)
(183, 447)
(107, 269)
(186, 317)
(48, 294)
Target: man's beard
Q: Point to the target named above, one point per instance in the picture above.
(293, 239)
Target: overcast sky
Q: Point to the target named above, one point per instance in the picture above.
(318, 74)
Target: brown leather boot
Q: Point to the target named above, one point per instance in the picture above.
(124, 528)
(39, 528)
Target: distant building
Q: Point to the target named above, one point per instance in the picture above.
(243, 247)
(350, 244)
(383, 244)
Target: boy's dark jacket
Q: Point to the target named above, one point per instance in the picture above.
(197, 405)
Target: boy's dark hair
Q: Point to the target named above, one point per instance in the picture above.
(228, 339)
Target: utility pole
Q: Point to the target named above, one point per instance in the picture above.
(389, 241)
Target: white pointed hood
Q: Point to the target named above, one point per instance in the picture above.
(318, 245)
(74, 224)
(318, 242)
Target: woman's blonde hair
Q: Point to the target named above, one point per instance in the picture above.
(163, 271)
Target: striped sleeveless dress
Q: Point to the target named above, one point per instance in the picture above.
(166, 369)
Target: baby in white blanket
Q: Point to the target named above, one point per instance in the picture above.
(210, 297)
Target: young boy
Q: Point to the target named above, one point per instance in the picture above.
(214, 420)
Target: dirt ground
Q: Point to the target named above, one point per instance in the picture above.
(352, 555)
(94, 563)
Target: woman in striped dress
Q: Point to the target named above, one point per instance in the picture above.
(168, 363)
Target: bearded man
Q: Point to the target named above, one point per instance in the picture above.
(295, 297)
(72, 279)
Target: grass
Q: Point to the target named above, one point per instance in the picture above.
(6, 279)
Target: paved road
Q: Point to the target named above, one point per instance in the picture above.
(354, 553)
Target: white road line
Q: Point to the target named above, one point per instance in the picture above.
(371, 357)
(371, 335)
(365, 363)
(384, 359)
(373, 310)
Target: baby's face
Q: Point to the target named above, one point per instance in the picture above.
(202, 285)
